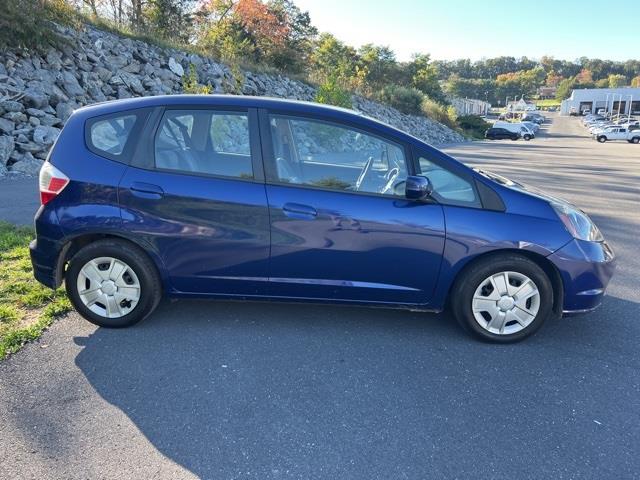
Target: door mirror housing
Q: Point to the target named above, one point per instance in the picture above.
(418, 187)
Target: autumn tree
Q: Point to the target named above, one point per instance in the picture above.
(616, 81)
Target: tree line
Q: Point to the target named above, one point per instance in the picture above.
(277, 35)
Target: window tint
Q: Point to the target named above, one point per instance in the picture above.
(109, 135)
(336, 157)
(448, 187)
(204, 141)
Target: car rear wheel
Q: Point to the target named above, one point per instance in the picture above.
(112, 283)
(502, 298)
(602, 139)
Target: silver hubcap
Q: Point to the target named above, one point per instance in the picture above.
(108, 287)
(506, 303)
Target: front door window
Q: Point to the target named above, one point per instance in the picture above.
(335, 157)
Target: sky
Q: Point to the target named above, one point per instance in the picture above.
(450, 29)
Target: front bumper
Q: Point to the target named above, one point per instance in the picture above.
(585, 268)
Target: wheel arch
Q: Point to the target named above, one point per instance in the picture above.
(75, 244)
(543, 262)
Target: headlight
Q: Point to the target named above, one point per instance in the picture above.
(578, 223)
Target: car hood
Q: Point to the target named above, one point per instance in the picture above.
(523, 188)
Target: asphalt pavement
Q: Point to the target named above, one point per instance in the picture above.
(224, 390)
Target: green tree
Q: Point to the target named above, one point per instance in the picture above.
(424, 77)
(332, 93)
(332, 58)
(565, 87)
(169, 19)
(298, 43)
(380, 65)
(617, 80)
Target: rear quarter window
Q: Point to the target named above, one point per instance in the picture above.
(111, 136)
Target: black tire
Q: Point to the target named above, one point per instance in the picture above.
(137, 260)
(514, 138)
(527, 137)
(635, 140)
(602, 139)
(463, 290)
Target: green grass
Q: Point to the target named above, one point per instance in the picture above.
(27, 308)
(548, 103)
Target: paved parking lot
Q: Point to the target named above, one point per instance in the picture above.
(227, 390)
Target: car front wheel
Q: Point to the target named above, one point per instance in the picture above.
(502, 298)
(635, 140)
(112, 283)
(602, 139)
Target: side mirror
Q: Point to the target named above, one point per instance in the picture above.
(417, 187)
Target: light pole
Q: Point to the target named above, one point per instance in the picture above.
(630, 105)
(606, 110)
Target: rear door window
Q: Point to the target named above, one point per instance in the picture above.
(204, 142)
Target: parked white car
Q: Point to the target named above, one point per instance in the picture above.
(617, 133)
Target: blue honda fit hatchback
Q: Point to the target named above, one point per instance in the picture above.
(256, 198)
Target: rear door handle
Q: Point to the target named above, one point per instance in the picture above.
(146, 190)
(297, 210)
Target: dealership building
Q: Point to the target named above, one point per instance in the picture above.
(611, 99)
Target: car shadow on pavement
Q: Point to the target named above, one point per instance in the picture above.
(225, 388)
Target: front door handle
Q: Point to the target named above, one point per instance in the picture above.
(146, 190)
(297, 210)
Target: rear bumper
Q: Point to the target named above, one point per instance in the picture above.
(585, 268)
(44, 259)
(47, 248)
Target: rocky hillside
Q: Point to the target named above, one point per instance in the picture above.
(39, 92)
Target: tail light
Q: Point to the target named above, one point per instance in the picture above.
(52, 182)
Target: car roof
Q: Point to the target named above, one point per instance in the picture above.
(243, 101)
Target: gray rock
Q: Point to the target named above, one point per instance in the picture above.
(132, 82)
(6, 126)
(123, 92)
(35, 97)
(27, 165)
(175, 67)
(16, 117)
(56, 95)
(34, 112)
(7, 146)
(104, 74)
(133, 67)
(64, 110)
(115, 62)
(50, 120)
(69, 83)
(30, 147)
(45, 135)
(35, 121)
(11, 106)
(3, 169)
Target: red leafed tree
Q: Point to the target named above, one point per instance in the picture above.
(261, 23)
